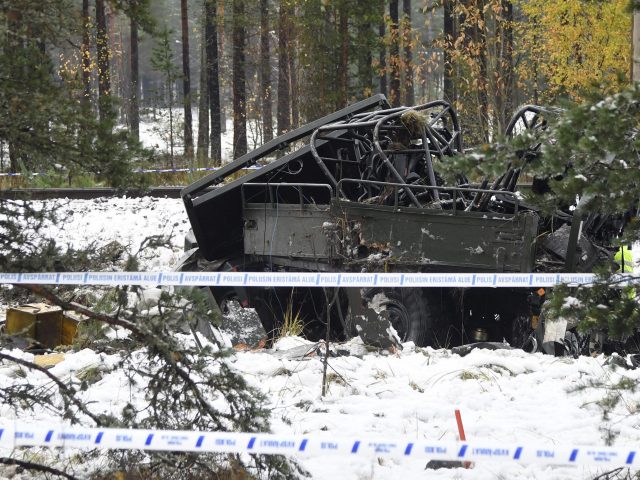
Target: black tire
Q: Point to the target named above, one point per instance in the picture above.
(310, 303)
(417, 315)
(522, 335)
(224, 296)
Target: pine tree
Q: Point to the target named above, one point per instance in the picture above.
(134, 114)
(394, 55)
(186, 81)
(140, 18)
(163, 61)
(44, 114)
(265, 73)
(239, 80)
(449, 37)
(408, 52)
(382, 59)
(213, 81)
(588, 151)
(86, 55)
(284, 74)
(189, 383)
(203, 100)
(104, 56)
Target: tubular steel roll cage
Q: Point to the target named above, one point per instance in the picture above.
(433, 136)
(272, 188)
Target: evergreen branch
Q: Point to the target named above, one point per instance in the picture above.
(103, 317)
(69, 392)
(149, 339)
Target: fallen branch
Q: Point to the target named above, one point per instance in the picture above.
(148, 338)
(36, 467)
(69, 392)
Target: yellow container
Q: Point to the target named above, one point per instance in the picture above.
(70, 321)
(41, 322)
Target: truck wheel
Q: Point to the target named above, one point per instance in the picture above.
(273, 305)
(312, 305)
(522, 336)
(242, 324)
(413, 312)
(225, 297)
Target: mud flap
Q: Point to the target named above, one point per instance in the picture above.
(372, 327)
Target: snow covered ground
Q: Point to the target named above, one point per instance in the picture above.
(504, 396)
(128, 221)
(155, 132)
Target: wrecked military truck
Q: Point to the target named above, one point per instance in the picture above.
(360, 191)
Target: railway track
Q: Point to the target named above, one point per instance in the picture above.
(87, 193)
(98, 192)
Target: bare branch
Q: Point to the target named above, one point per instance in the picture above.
(69, 392)
(103, 317)
(35, 467)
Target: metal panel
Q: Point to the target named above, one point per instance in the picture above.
(216, 215)
(444, 240)
(283, 230)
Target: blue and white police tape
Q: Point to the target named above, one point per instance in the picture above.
(21, 434)
(18, 174)
(305, 279)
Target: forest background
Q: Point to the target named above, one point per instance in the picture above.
(78, 74)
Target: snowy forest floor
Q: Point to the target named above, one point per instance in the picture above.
(504, 396)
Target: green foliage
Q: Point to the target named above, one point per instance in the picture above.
(604, 306)
(615, 391)
(319, 34)
(600, 139)
(42, 120)
(162, 60)
(190, 385)
(162, 56)
(190, 382)
(23, 250)
(138, 10)
(590, 150)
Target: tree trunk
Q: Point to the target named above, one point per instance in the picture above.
(293, 80)
(394, 56)
(186, 82)
(365, 59)
(203, 101)
(239, 80)
(115, 59)
(449, 36)
(505, 87)
(14, 40)
(86, 56)
(343, 65)
(483, 94)
(408, 54)
(104, 79)
(134, 114)
(171, 136)
(221, 63)
(383, 60)
(211, 34)
(635, 71)
(284, 78)
(265, 73)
